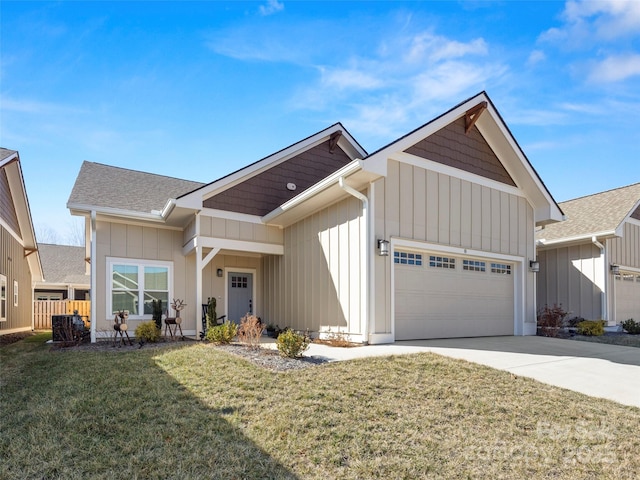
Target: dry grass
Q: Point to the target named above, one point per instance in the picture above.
(193, 411)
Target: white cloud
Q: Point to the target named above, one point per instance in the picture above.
(272, 6)
(536, 57)
(615, 69)
(434, 48)
(348, 78)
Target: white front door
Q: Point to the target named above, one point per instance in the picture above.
(240, 295)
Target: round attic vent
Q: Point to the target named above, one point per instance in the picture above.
(291, 186)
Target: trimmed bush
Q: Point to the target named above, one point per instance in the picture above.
(224, 333)
(551, 320)
(631, 327)
(591, 328)
(291, 344)
(148, 331)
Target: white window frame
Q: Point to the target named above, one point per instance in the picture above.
(3, 298)
(15, 293)
(140, 264)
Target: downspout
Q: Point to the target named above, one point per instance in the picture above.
(603, 255)
(93, 266)
(364, 299)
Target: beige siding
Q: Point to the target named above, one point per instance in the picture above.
(143, 243)
(418, 204)
(318, 282)
(15, 267)
(238, 230)
(570, 276)
(626, 250)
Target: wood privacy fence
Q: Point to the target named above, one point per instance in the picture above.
(43, 309)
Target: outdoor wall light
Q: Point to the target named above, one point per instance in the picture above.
(534, 266)
(219, 272)
(615, 269)
(383, 248)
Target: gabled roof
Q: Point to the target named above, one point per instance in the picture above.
(480, 113)
(63, 264)
(24, 231)
(600, 215)
(114, 190)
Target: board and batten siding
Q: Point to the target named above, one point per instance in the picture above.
(318, 283)
(419, 204)
(137, 242)
(14, 266)
(625, 250)
(233, 230)
(569, 276)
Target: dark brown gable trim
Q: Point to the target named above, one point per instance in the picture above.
(268, 190)
(469, 152)
(636, 213)
(7, 208)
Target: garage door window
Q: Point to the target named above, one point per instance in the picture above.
(474, 266)
(442, 262)
(501, 268)
(406, 258)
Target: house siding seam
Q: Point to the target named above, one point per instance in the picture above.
(469, 152)
(15, 267)
(266, 191)
(7, 208)
(239, 230)
(626, 250)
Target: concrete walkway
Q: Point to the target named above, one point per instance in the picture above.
(595, 369)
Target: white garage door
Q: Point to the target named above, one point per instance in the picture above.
(444, 296)
(627, 291)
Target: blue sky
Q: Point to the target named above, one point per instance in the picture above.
(196, 90)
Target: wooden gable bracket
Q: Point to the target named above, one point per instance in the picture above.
(472, 115)
(29, 251)
(333, 140)
(87, 259)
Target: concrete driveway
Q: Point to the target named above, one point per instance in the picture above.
(598, 370)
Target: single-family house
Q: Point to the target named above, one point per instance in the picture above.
(66, 273)
(590, 264)
(430, 236)
(20, 264)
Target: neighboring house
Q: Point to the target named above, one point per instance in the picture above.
(299, 238)
(20, 264)
(591, 262)
(66, 273)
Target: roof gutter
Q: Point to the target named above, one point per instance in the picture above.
(548, 243)
(116, 212)
(364, 253)
(605, 266)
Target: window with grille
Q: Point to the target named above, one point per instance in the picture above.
(407, 258)
(474, 265)
(501, 268)
(442, 262)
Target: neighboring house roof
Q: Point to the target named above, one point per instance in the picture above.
(63, 264)
(101, 186)
(600, 214)
(15, 213)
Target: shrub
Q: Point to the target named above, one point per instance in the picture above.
(148, 331)
(551, 320)
(224, 333)
(291, 344)
(631, 327)
(250, 330)
(591, 328)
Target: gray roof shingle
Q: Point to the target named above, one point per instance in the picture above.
(63, 264)
(601, 212)
(101, 185)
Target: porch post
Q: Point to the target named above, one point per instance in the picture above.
(198, 278)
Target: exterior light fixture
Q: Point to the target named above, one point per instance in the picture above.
(615, 269)
(383, 248)
(219, 272)
(534, 266)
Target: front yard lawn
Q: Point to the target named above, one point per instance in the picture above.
(195, 411)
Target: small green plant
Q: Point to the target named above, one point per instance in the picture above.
(212, 316)
(156, 306)
(591, 328)
(291, 344)
(224, 333)
(631, 327)
(148, 331)
(250, 331)
(551, 320)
